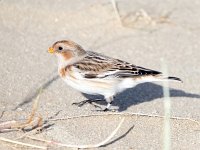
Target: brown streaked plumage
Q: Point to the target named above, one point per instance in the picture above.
(124, 69)
(94, 73)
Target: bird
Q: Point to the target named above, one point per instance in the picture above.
(97, 74)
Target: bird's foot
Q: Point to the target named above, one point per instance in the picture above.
(90, 101)
(106, 110)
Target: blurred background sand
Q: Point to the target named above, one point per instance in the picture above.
(147, 31)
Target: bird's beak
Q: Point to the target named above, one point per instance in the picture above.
(51, 50)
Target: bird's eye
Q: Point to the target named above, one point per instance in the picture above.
(60, 48)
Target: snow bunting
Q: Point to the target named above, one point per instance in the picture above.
(93, 73)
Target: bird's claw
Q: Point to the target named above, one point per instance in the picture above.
(80, 104)
(106, 110)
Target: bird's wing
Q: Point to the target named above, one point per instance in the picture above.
(96, 65)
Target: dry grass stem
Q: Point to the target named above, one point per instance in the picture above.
(30, 120)
(82, 146)
(124, 114)
(7, 125)
(116, 9)
(21, 143)
(13, 125)
(167, 108)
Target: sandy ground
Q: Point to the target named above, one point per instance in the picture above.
(151, 30)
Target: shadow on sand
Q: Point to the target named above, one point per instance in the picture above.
(141, 93)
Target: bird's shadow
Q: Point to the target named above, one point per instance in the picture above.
(141, 93)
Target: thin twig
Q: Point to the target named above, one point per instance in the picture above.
(7, 125)
(82, 146)
(167, 108)
(21, 143)
(14, 125)
(123, 114)
(116, 11)
(2, 113)
(30, 120)
(8, 130)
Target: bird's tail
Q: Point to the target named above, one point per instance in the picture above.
(163, 78)
(158, 78)
(174, 78)
(148, 75)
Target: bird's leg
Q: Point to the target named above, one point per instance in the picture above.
(107, 107)
(90, 101)
(109, 101)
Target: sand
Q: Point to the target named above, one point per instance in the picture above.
(148, 32)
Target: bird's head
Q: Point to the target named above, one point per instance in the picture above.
(68, 52)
